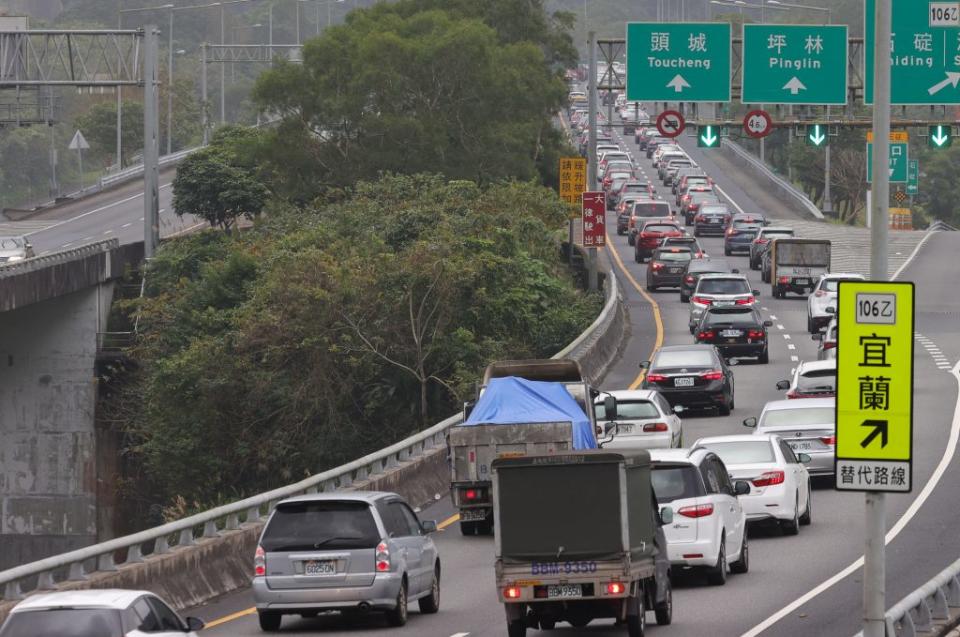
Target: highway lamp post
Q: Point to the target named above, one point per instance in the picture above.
(591, 148)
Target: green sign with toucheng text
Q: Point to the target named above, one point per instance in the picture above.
(678, 61)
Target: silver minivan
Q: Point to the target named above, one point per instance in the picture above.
(348, 551)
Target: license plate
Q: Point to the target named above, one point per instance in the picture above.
(473, 515)
(566, 590)
(625, 429)
(802, 281)
(731, 333)
(723, 303)
(320, 568)
(683, 382)
(674, 270)
(800, 445)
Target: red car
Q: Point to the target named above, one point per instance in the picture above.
(650, 235)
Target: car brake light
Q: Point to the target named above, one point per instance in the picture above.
(829, 345)
(260, 562)
(755, 334)
(769, 478)
(707, 335)
(714, 375)
(383, 557)
(819, 293)
(792, 394)
(701, 219)
(470, 494)
(512, 592)
(731, 232)
(761, 241)
(689, 279)
(615, 588)
(701, 300)
(697, 511)
(651, 427)
(829, 440)
(784, 279)
(656, 378)
(747, 301)
(656, 266)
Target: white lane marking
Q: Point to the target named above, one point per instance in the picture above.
(772, 317)
(66, 245)
(86, 238)
(44, 253)
(901, 523)
(780, 326)
(729, 198)
(140, 219)
(459, 634)
(161, 211)
(794, 359)
(791, 346)
(786, 336)
(90, 212)
(126, 225)
(910, 259)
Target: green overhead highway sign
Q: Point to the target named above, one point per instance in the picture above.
(940, 137)
(794, 64)
(913, 177)
(708, 136)
(899, 157)
(678, 61)
(817, 135)
(925, 59)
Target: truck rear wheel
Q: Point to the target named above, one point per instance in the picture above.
(468, 528)
(637, 624)
(664, 610)
(517, 628)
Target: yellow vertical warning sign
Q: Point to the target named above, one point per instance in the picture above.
(573, 178)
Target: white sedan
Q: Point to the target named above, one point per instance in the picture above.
(779, 482)
(645, 420)
(824, 296)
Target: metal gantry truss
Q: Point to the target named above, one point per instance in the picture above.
(29, 105)
(71, 58)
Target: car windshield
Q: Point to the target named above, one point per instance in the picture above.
(671, 482)
(678, 256)
(713, 210)
(10, 243)
(653, 227)
(64, 622)
(777, 235)
(629, 410)
(802, 416)
(723, 286)
(652, 209)
(742, 452)
(683, 358)
(330, 525)
(734, 318)
(818, 380)
(831, 285)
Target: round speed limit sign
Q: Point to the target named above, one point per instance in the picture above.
(758, 124)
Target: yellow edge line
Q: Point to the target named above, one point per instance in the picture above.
(252, 610)
(653, 304)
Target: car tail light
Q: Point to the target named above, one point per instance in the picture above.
(696, 511)
(511, 592)
(829, 344)
(652, 427)
(714, 375)
(731, 232)
(701, 300)
(756, 334)
(792, 394)
(784, 279)
(383, 557)
(260, 562)
(656, 266)
(656, 378)
(829, 440)
(761, 241)
(747, 301)
(615, 588)
(819, 293)
(470, 494)
(701, 219)
(689, 279)
(707, 335)
(769, 478)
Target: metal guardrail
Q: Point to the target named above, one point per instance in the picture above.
(941, 226)
(917, 612)
(228, 517)
(63, 256)
(133, 172)
(787, 187)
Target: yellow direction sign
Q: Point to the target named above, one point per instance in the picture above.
(573, 178)
(874, 386)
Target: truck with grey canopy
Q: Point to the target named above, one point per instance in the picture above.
(524, 407)
(578, 537)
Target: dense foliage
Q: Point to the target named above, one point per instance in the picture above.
(323, 334)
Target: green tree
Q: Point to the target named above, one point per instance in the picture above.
(208, 187)
(99, 127)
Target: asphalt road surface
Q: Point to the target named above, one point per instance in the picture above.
(784, 594)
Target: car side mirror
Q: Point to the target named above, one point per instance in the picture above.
(741, 487)
(768, 323)
(783, 384)
(733, 362)
(816, 337)
(428, 526)
(735, 271)
(831, 310)
(195, 624)
(678, 409)
(756, 292)
(803, 458)
(666, 516)
(609, 407)
(750, 422)
(645, 365)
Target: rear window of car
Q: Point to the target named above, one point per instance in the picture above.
(656, 227)
(672, 482)
(64, 622)
(635, 188)
(777, 235)
(723, 286)
(688, 358)
(706, 195)
(629, 410)
(819, 380)
(830, 285)
(735, 318)
(679, 256)
(302, 526)
(653, 209)
(742, 452)
(803, 416)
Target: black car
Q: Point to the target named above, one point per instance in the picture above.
(735, 331)
(740, 233)
(693, 201)
(692, 376)
(667, 266)
(711, 219)
(696, 269)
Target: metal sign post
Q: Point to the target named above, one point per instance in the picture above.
(79, 144)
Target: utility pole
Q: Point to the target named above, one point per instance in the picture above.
(119, 90)
(592, 148)
(874, 565)
(170, 84)
(205, 107)
(223, 73)
(151, 150)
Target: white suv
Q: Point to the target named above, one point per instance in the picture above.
(709, 527)
(824, 296)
